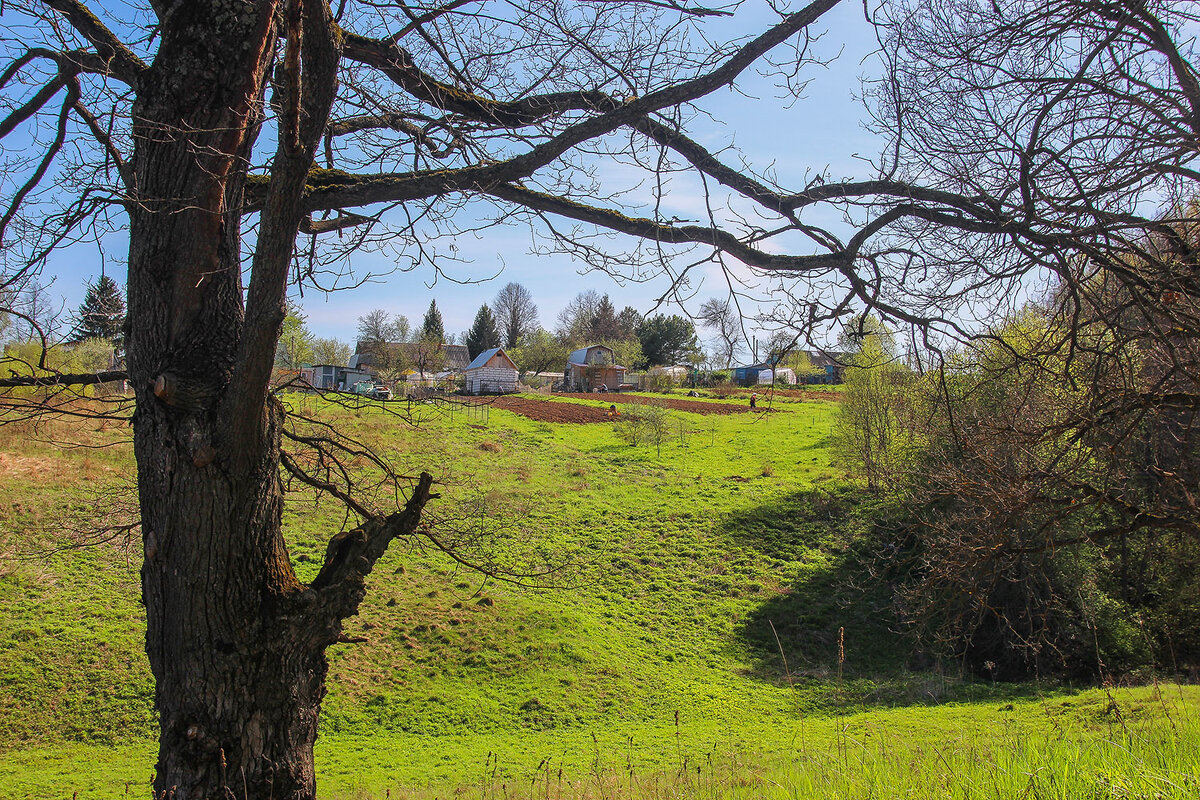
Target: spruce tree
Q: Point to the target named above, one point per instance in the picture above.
(605, 327)
(431, 328)
(484, 334)
(102, 313)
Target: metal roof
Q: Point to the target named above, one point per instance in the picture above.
(485, 356)
(582, 354)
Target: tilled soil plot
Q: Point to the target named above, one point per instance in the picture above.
(790, 394)
(561, 409)
(739, 406)
(550, 410)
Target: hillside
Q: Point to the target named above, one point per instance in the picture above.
(709, 605)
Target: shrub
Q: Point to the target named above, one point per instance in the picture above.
(660, 382)
(648, 423)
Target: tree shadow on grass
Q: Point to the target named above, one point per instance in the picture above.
(832, 631)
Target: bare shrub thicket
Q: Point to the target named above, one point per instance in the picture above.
(644, 423)
(1047, 272)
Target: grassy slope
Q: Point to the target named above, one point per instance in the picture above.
(682, 569)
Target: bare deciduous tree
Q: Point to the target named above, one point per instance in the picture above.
(324, 133)
(575, 319)
(1059, 163)
(516, 314)
(378, 326)
(331, 351)
(541, 352)
(721, 317)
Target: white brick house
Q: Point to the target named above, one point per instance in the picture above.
(491, 372)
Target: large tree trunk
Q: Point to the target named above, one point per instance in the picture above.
(239, 670)
(236, 644)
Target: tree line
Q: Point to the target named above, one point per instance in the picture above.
(511, 321)
(35, 340)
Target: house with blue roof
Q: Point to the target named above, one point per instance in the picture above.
(592, 367)
(490, 372)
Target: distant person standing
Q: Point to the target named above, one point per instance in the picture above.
(754, 399)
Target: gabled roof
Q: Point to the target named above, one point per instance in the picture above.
(580, 356)
(457, 355)
(454, 356)
(825, 358)
(486, 356)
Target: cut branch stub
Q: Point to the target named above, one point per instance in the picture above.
(165, 386)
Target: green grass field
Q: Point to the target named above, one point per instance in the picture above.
(684, 644)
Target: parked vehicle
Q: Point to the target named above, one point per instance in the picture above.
(376, 391)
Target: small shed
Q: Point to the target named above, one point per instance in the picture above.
(491, 372)
(332, 376)
(748, 376)
(826, 366)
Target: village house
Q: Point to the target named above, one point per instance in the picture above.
(448, 361)
(592, 367)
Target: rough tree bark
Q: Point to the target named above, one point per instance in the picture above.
(236, 643)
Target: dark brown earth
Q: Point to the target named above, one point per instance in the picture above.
(743, 392)
(550, 410)
(560, 408)
(735, 406)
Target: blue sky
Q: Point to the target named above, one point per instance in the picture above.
(821, 132)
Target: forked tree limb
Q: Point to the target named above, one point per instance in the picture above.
(351, 555)
(122, 62)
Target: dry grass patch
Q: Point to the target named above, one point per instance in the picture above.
(36, 468)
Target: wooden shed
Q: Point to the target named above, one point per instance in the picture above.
(491, 372)
(591, 367)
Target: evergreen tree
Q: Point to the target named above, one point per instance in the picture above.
(432, 328)
(630, 320)
(667, 340)
(102, 313)
(483, 334)
(605, 326)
